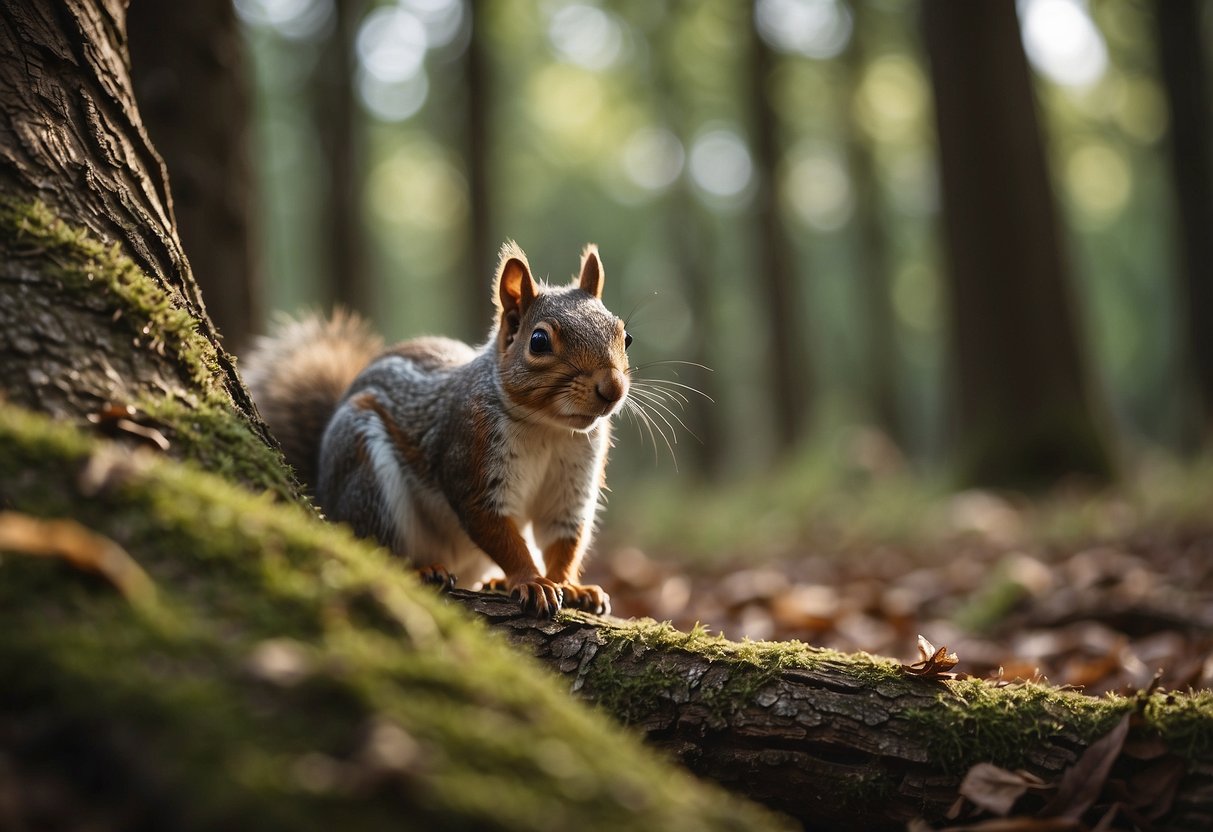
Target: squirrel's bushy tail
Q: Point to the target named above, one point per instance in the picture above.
(299, 373)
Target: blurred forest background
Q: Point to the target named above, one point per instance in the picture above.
(923, 246)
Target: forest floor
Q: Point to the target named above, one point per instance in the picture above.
(1099, 591)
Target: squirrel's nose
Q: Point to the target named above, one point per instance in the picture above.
(611, 386)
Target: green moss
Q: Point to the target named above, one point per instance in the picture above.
(1184, 721)
(975, 721)
(292, 677)
(748, 667)
(198, 414)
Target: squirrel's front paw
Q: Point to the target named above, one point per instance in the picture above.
(539, 596)
(588, 597)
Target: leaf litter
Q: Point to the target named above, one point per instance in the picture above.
(1128, 613)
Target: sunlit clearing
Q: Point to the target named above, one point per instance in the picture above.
(442, 19)
(294, 19)
(586, 36)
(1100, 183)
(391, 44)
(916, 297)
(892, 99)
(418, 186)
(392, 100)
(814, 28)
(818, 188)
(1062, 41)
(720, 165)
(652, 158)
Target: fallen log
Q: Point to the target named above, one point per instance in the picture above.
(844, 741)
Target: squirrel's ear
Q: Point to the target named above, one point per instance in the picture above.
(515, 286)
(592, 275)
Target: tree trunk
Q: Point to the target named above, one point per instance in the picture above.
(1023, 409)
(1181, 56)
(871, 250)
(346, 276)
(693, 256)
(775, 265)
(481, 256)
(190, 80)
(98, 307)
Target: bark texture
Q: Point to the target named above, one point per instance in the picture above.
(836, 741)
(191, 82)
(98, 306)
(1024, 412)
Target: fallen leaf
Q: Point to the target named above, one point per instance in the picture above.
(84, 549)
(934, 663)
(995, 789)
(1082, 783)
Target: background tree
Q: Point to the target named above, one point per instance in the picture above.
(778, 272)
(192, 85)
(339, 125)
(1024, 412)
(1182, 57)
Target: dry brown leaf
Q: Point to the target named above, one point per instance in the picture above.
(1082, 783)
(84, 549)
(995, 789)
(934, 663)
(1019, 824)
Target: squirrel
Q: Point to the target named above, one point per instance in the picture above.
(447, 454)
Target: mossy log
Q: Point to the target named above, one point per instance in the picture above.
(844, 741)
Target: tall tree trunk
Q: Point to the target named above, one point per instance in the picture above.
(338, 118)
(775, 265)
(871, 249)
(481, 257)
(191, 83)
(1181, 54)
(691, 244)
(79, 178)
(1023, 401)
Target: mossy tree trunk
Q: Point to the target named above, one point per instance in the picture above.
(98, 306)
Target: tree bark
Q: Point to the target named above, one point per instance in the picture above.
(836, 741)
(1024, 413)
(191, 83)
(98, 306)
(1181, 56)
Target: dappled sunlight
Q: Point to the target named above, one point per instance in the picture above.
(1062, 41)
(1100, 183)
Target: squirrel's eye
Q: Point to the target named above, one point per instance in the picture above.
(627, 340)
(541, 341)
